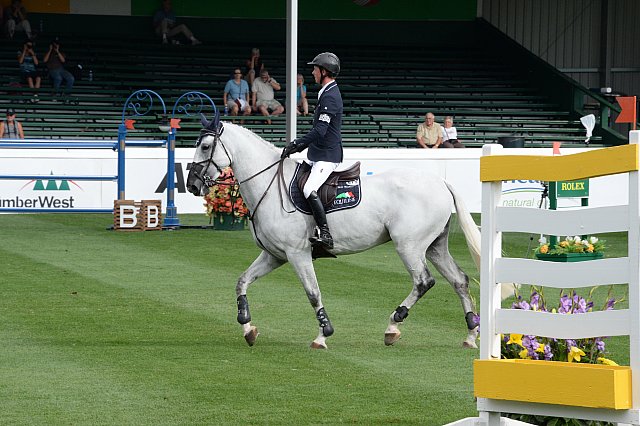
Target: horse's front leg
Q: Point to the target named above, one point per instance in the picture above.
(303, 265)
(260, 267)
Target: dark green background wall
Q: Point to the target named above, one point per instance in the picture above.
(313, 9)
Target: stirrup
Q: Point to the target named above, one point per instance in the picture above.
(324, 240)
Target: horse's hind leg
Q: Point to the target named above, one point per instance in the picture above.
(415, 262)
(438, 254)
(260, 267)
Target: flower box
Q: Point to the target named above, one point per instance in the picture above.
(227, 222)
(553, 382)
(569, 257)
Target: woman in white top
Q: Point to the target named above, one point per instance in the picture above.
(450, 134)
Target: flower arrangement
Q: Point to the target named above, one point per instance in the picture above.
(224, 198)
(591, 350)
(571, 245)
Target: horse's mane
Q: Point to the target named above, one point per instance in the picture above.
(251, 134)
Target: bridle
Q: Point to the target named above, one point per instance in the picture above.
(200, 167)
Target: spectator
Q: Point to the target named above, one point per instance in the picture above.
(11, 128)
(429, 134)
(55, 59)
(29, 67)
(301, 96)
(236, 94)
(164, 24)
(263, 98)
(16, 16)
(254, 63)
(450, 134)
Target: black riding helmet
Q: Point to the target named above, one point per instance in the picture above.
(328, 61)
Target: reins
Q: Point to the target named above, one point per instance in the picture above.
(281, 186)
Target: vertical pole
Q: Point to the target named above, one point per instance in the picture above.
(292, 68)
(171, 219)
(633, 252)
(491, 249)
(553, 205)
(122, 137)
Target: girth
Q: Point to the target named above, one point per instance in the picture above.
(328, 190)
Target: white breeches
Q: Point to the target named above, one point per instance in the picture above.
(320, 171)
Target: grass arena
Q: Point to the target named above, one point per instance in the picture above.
(139, 328)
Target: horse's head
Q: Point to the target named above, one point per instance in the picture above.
(210, 157)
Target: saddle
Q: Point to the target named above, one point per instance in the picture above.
(328, 191)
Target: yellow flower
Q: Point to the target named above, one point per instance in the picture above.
(544, 249)
(540, 348)
(564, 243)
(606, 361)
(523, 354)
(574, 354)
(515, 338)
(590, 248)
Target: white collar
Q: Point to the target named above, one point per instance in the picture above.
(324, 88)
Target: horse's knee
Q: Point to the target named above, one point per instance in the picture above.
(425, 285)
(400, 313)
(244, 316)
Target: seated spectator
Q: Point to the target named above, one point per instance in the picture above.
(301, 96)
(450, 134)
(236, 94)
(164, 24)
(11, 128)
(55, 59)
(429, 134)
(263, 98)
(16, 17)
(29, 67)
(254, 65)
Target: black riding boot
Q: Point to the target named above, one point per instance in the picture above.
(320, 216)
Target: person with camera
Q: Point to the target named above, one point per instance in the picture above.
(28, 61)
(55, 59)
(11, 128)
(16, 16)
(324, 141)
(254, 66)
(263, 98)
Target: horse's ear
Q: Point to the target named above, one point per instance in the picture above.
(203, 120)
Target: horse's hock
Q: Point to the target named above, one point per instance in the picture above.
(600, 392)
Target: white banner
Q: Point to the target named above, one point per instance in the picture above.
(145, 177)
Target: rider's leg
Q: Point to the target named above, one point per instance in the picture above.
(320, 171)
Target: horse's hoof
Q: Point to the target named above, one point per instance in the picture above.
(315, 345)
(251, 336)
(470, 345)
(391, 338)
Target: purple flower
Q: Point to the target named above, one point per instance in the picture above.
(535, 300)
(548, 355)
(520, 304)
(531, 345)
(565, 305)
(581, 307)
(600, 345)
(570, 343)
(610, 304)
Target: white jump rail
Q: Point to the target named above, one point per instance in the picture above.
(600, 392)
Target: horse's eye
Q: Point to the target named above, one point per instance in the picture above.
(205, 147)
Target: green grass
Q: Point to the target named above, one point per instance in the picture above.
(104, 327)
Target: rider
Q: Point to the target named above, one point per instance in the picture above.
(324, 140)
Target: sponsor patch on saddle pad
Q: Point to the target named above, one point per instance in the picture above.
(348, 195)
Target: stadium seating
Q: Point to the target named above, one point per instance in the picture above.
(386, 92)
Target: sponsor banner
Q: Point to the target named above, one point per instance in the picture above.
(146, 177)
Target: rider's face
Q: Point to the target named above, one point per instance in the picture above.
(317, 74)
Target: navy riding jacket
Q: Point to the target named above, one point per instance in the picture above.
(325, 139)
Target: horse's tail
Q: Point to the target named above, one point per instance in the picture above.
(472, 235)
(469, 227)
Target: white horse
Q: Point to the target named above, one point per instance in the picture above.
(411, 207)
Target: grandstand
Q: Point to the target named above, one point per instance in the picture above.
(386, 90)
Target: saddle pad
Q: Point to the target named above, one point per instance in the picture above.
(347, 196)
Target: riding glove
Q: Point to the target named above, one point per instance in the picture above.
(289, 149)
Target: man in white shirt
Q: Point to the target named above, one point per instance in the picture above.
(263, 97)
